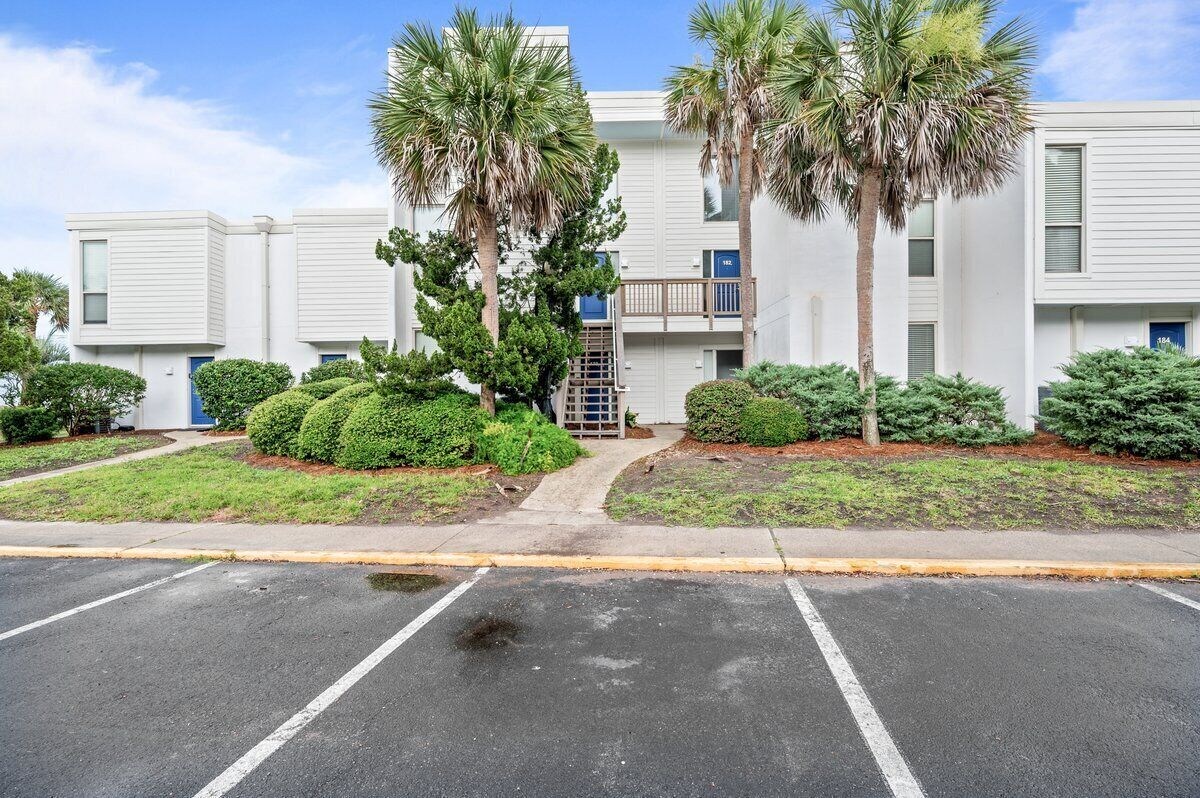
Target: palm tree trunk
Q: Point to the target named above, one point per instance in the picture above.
(746, 283)
(489, 263)
(868, 220)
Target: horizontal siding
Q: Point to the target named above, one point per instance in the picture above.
(635, 184)
(1142, 235)
(922, 299)
(687, 234)
(342, 290)
(159, 287)
(216, 286)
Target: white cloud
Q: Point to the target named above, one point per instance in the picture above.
(79, 134)
(1127, 50)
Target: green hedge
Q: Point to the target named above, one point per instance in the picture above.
(1145, 402)
(325, 388)
(384, 431)
(523, 441)
(274, 425)
(229, 389)
(714, 409)
(766, 421)
(957, 410)
(80, 395)
(322, 426)
(27, 424)
(335, 369)
(827, 396)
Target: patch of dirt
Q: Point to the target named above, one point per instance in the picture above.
(138, 433)
(486, 633)
(401, 582)
(639, 433)
(1043, 446)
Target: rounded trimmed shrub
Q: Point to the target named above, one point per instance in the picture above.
(384, 431)
(274, 424)
(229, 389)
(82, 395)
(335, 369)
(766, 421)
(322, 426)
(1145, 402)
(714, 409)
(25, 424)
(827, 395)
(526, 442)
(326, 388)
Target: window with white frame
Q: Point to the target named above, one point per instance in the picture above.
(719, 364)
(922, 354)
(94, 257)
(720, 202)
(920, 240)
(424, 343)
(1064, 209)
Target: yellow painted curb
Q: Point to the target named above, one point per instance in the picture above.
(900, 566)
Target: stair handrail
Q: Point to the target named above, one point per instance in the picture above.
(618, 362)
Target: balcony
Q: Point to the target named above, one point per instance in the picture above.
(716, 299)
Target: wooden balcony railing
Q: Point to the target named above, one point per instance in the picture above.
(708, 297)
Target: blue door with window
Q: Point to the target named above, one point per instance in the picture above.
(199, 417)
(594, 307)
(727, 296)
(1168, 332)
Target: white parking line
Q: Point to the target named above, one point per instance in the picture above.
(98, 602)
(291, 727)
(1162, 591)
(899, 778)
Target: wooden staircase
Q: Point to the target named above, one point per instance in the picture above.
(592, 403)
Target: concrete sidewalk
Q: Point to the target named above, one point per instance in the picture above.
(183, 440)
(533, 539)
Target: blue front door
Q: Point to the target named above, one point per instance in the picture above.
(199, 417)
(594, 307)
(727, 296)
(1168, 332)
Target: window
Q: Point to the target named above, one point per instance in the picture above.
(921, 353)
(429, 218)
(613, 191)
(720, 202)
(719, 364)
(1064, 209)
(920, 240)
(95, 282)
(423, 343)
(329, 358)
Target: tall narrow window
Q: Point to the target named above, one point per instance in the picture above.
(1064, 209)
(720, 202)
(95, 282)
(921, 354)
(920, 240)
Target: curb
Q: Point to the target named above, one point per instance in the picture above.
(897, 566)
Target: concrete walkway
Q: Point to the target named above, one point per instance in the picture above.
(510, 541)
(183, 440)
(583, 487)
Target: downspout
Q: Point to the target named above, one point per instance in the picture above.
(264, 225)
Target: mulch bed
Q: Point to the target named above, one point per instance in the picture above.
(1043, 446)
(638, 433)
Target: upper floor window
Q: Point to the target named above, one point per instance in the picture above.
(429, 219)
(1064, 209)
(720, 202)
(95, 282)
(920, 240)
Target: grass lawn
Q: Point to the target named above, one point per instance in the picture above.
(16, 461)
(213, 483)
(940, 493)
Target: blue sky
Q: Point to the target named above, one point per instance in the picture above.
(256, 107)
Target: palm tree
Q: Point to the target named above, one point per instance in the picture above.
(41, 293)
(493, 121)
(886, 102)
(726, 101)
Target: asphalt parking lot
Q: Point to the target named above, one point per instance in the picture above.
(247, 679)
